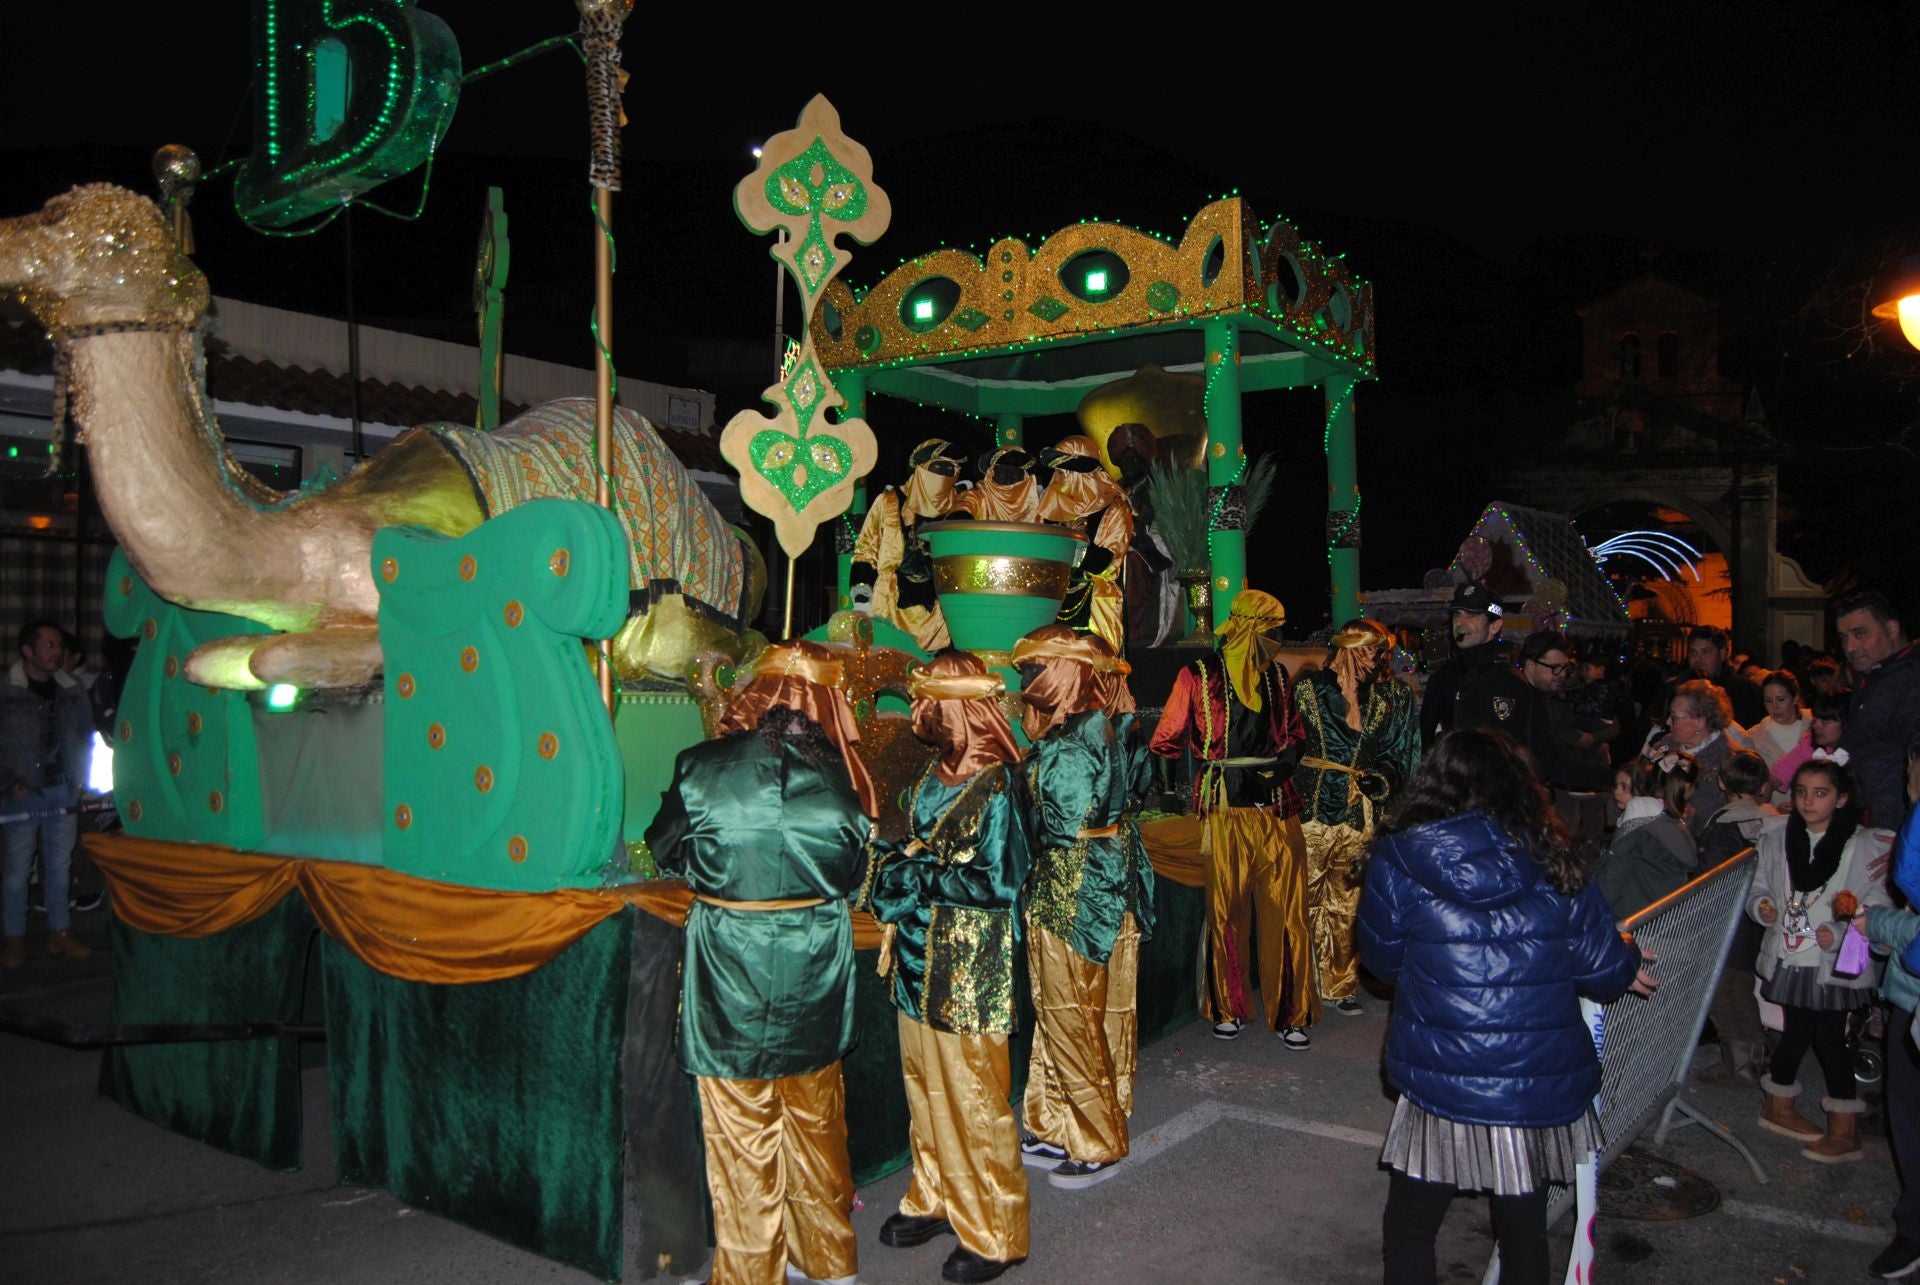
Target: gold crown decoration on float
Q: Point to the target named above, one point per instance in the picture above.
(796, 466)
(1013, 297)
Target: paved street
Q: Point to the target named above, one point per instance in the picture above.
(1251, 1163)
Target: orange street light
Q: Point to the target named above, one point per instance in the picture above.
(1900, 301)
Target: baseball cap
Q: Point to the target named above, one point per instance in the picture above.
(1474, 597)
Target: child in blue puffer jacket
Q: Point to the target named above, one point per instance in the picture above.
(1477, 905)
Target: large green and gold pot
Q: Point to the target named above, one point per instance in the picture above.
(999, 581)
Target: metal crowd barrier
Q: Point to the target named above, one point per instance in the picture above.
(1646, 1046)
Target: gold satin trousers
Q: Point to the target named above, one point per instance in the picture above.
(781, 1182)
(964, 1140)
(1257, 879)
(1086, 1042)
(1333, 902)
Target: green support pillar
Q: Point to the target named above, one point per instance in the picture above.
(1006, 429)
(1343, 502)
(1226, 550)
(852, 385)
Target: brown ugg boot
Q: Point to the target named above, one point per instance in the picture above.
(65, 943)
(1778, 1114)
(1842, 1140)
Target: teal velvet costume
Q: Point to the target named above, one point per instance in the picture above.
(1385, 750)
(1080, 776)
(765, 993)
(954, 904)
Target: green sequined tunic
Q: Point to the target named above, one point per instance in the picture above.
(1386, 747)
(955, 904)
(764, 993)
(1080, 776)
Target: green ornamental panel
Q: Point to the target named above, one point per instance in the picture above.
(501, 767)
(185, 763)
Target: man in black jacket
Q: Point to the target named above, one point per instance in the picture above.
(1708, 648)
(1885, 712)
(1476, 687)
(1570, 759)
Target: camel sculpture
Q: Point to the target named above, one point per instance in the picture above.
(99, 268)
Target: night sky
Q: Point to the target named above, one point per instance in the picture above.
(1490, 173)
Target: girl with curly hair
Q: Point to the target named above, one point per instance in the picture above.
(1477, 905)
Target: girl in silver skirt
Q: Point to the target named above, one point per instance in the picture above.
(1478, 908)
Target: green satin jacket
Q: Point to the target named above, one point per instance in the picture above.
(1135, 740)
(1079, 777)
(954, 905)
(764, 993)
(1386, 748)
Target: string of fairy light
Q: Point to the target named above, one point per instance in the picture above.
(1540, 571)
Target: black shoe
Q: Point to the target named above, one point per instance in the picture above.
(91, 901)
(1077, 1175)
(965, 1265)
(904, 1231)
(1896, 1260)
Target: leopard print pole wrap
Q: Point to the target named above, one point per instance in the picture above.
(600, 36)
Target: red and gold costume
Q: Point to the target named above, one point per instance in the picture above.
(1232, 711)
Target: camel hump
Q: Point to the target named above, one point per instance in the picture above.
(679, 542)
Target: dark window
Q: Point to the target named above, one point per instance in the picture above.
(1629, 356)
(1669, 356)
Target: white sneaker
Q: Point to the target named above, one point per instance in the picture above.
(1294, 1037)
(1227, 1030)
(1348, 1007)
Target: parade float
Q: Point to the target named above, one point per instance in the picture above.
(503, 637)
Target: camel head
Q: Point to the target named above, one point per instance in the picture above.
(99, 255)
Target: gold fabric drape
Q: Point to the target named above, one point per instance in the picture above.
(778, 1171)
(1333, 902)
(413, 929)
(1176, 848)
(965, 1142)
(1083, 1045)
(1256, 880)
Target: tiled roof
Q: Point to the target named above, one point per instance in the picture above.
(248, 382)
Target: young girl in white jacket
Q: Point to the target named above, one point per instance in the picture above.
(1811, 883)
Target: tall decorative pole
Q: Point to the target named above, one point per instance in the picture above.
(798, 466)
(600, 23)
(1343, 501)
(1226, 465)
(852, 385)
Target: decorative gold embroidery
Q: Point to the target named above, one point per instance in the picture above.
(969, 986)
(1053, 889)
